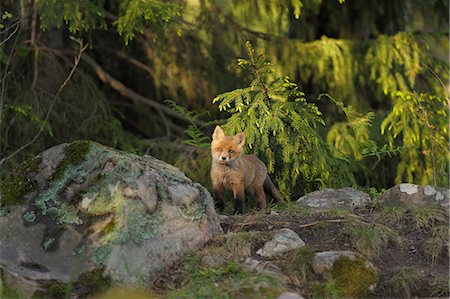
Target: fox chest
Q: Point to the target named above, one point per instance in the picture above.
(227, 179)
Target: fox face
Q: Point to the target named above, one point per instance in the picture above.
(226, 149)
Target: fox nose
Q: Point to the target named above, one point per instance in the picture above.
(224, 158)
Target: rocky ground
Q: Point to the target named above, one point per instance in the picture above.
(408, 249)
(83, 220)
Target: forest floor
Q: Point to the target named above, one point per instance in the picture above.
(408, 247)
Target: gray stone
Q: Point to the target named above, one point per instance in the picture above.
(144, 215)
(289, 295)
(323, 261)
(410, 196)
(346, 198)
(263, 267)
(284, 240)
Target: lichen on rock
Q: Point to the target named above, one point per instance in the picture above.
(92, 206)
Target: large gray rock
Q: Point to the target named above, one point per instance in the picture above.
(411, 195)
(283, 241)
(327, 199)
(87, 206)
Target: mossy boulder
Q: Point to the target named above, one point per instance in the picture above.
(347, 273)
(80, 207)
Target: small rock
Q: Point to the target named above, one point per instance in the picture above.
(223, 217)
(262, 267)
(283, 241)
(323, 261)
(289, 295)
(274, 213)
(347, 199)
(213, 261)
(129, 192)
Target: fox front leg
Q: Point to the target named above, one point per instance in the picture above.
(218, 196)
(239, 198)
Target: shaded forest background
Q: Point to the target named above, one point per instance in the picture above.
(356, 92)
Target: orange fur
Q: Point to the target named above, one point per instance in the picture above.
(233, 170)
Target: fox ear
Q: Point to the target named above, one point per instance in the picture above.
(240, 138)
(218, 133)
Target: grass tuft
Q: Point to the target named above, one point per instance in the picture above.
(440, 287)
(299, 264)
(426, 217)
(228, 281)
(390, 215)
(242, 244)
(370, 239)
(404, 281)
(437, 243)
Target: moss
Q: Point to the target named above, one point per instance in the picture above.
(110, 227)
(93, 282)
(53, 289)
(75, 153)
(354, 278)
(88, 283)
(17, 184)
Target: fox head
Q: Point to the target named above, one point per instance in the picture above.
(226, 149)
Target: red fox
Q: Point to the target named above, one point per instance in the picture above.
(233, 170)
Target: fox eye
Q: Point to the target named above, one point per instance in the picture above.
(231, 151)
(219, 149)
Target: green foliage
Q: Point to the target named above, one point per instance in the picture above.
(390, 56)
(351, 136)
(282, 128)
(137, 15)
(81, 15)
(88, 15)
(194, 133)
(420, 122)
